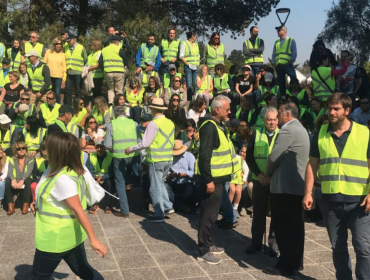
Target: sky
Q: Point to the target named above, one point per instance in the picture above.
(306, 20)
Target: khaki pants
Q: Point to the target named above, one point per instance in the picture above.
(115, 83)
(37, 101)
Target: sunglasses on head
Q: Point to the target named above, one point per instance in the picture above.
(21, 148)
(25, 99)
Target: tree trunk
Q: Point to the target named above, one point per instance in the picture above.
(82, 20)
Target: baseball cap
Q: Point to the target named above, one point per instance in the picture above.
(32, 53)
(71, 36)
(66, 109)
(5, 61)
(233, 123)
(4, 119)
(146, 117)
(268, 77)
(172, 66)
(151, 63)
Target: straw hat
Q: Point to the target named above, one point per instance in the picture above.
(179, 148)
(158, 103)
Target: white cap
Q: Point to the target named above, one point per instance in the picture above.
(32, 53)
(4, 119)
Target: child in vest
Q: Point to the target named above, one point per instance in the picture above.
(41, 165)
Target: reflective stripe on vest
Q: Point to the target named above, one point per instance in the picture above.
(320, 90)
(262, 149)
(37, 79)
(40, 164)
(133, 99)
(75, 60)
(92, 60)
(61, 125)
(167, 79)
(221, 84)
(107, 161)
(17, 60)
(5, 143)
(99, 117)
(148, 55)
(215, 56)
(206, 85)
(258, 58)
(191, 53)
(162, 145)
(274, 90)
(283, 53)
(124, 136)
(25, 168)
(347, 174)
(50, 116)
(33, 143)
(170, 51)
(112, 60)
(4, 80)
(57, 229)
(78, 118)
(38, 47)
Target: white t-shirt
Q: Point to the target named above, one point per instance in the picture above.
(194, 115)
(99, 134)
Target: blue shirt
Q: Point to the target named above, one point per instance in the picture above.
(184, 163)
(294, 50)
(157, 62)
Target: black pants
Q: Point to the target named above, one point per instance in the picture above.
(145, 185)
(183, 195)
(25, 193)
(45, 263)
(287, 220)
(208, 216)
(107, 199)
(98, 83)
(72, 81)
(260, 199)
(135, 113)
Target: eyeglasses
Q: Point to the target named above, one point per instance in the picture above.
(93, 122)
(50, 98)
(176, 81)
(25, 99)
(57, 44)
(175, 100)
(227, 110)
(21, 148)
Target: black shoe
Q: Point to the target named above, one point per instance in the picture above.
(299, 268)
(276, 271)
(227, 225)
(252, 249)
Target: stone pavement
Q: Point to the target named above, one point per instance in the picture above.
(141, 250)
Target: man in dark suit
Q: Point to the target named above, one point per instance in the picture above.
(286, 166)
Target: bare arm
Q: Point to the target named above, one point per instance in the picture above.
(311, 169)
(74, 204)
(366, 201)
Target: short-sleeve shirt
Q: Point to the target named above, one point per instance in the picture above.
(245, 85)
(13, 95)
(99, 133)
(339, 142)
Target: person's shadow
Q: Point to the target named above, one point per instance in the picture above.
(24, 272)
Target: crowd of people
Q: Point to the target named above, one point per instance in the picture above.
(198, 141)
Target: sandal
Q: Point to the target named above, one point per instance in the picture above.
(94, 209)
(107, 210)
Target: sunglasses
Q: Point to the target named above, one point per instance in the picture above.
(177, 81)
(246, 70)
(93, 122)
(25, 99)
(81, 103)
(48, 98)
(217, 38)
(56, 44)
(133, 82)
(21, 148)
(177, 100)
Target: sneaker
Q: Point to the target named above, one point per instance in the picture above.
(209, 258)
(169, 211)
(153, 219)
(243, 212)
(252, 249)
(217, 250)
(227, 225)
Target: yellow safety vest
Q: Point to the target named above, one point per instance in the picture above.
(107, 161)
(17, 60)
(316, 116)
(57, 229)
(215, 56)
(206, 85)
(191, 53)
(167, 79)
(221, 83)
(148, 55)
(4, 81)
(347, 174)
(33, 143)
(8, 135)
(319, 89)
(38, 47)
(145, 77)
(98, 116)
(124, 136)
(170, 51)
(37, 79)
(262, 149)
(92, 60)
(133, 99)
(111, 112)
(50, 116)
(112, 60)
(75, 60)
(40, 163)
(258, 58)
(162, 145)
(78, 118)
(283, 53)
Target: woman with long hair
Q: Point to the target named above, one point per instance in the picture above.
(11, 92)
(119, 100)
(100, 111)
(81, 115)
(214, 53)
(271, 100)
(15, 54)
(204, 84)
(33, 134)
(175, 113)
(23, 75)
(55, 59)
(154, 86)
(19, 177)
(3, 174)
(222, 83)
(61, 223)
(93, 63)
(90, 135)
(198, 110)
(134, 97)
(175, 88)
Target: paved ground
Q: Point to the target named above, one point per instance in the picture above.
(140, 250)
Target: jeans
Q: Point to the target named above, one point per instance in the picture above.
(158, 192)
(56, 84)
(72, 80)
(191, 81)
(2, 189)
(338, 217)
(120, 174)
(45, 263)
(228, 211)
(281, 70)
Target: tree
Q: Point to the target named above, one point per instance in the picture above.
(348, 26)
(236, 57)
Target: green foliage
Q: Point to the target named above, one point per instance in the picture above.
(236, 57)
